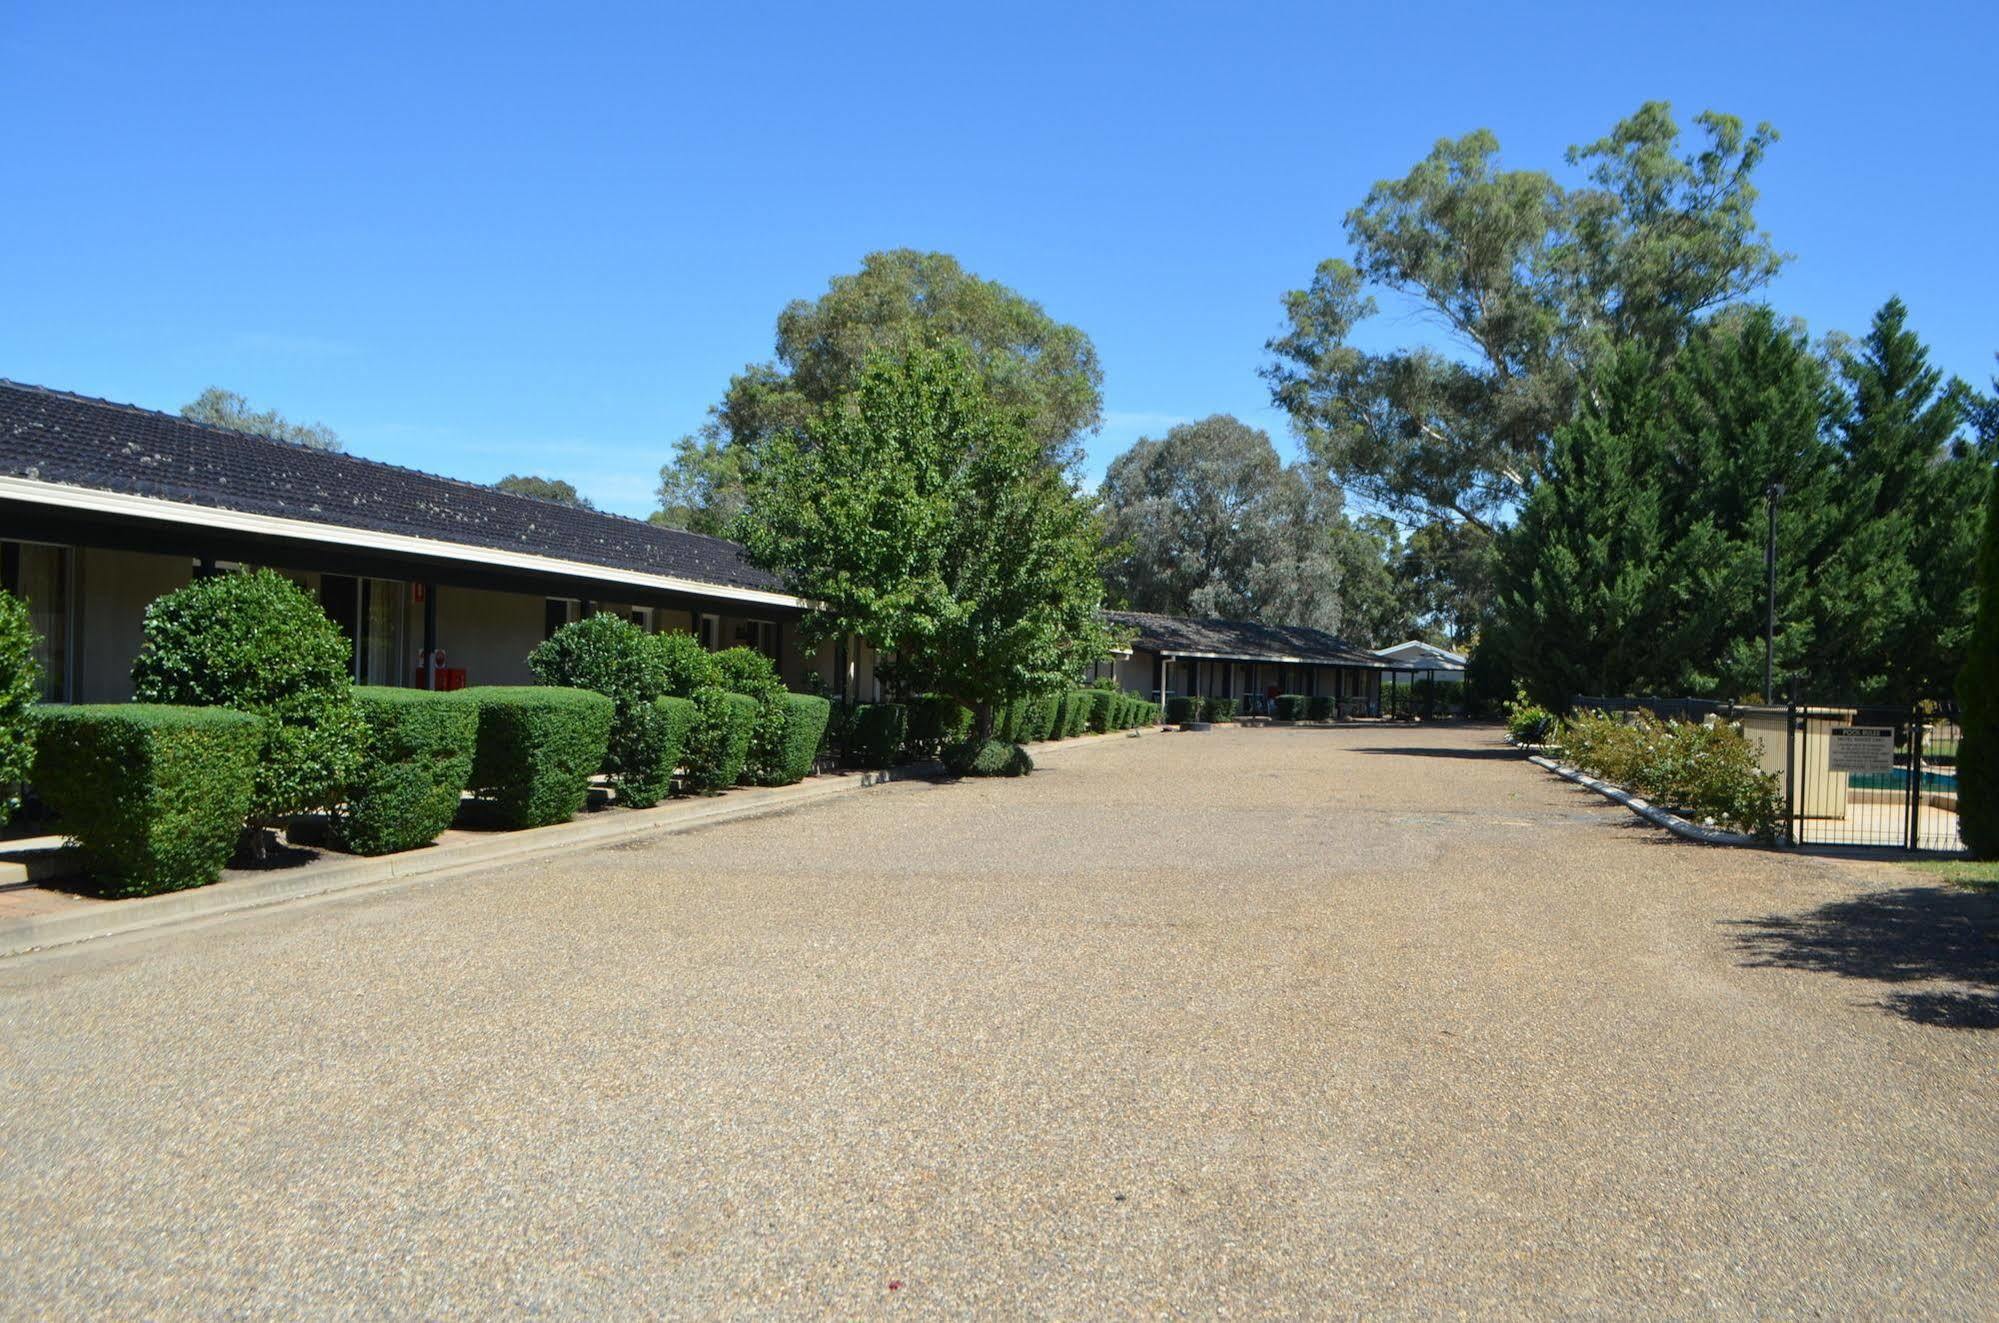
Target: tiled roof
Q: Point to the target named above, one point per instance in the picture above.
(77, 441)
(1239, 640)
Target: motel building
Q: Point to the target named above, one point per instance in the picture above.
(104, 507)
(1243, 660)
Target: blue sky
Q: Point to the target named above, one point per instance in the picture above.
(484, 238)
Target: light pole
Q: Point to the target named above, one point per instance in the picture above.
(1773, 493)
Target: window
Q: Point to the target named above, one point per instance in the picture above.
(759, 634)
(709, 630)
(372, 614)
(642, 617)
(38, 574)
(557, 612)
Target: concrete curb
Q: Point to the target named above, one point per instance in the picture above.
(1672, 822)
(122, 917)
(118, 917)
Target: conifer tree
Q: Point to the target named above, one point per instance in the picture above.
(1978, 700)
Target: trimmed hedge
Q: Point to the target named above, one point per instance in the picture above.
(1037, 718)
(934, 722)
(655, 744)
(1182, 708)
(877, 734)
(804, 726)
(415, 761)
(747, 671)
(718, 744)
(1290, 707)
(20, 686)
(995, 757)
(611, 656)
(1218, 709)
(1103, 707)
(1058, 715)
(1319, 707)
(538, 747)
(153, 796)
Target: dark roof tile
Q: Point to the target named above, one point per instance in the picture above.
(54, 436)
(1239, 640)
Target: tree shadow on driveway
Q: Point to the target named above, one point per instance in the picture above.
(1930, 935)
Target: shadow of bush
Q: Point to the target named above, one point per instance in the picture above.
(1909, 935)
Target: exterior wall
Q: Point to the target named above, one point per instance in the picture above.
(489, 634)
(111, 590)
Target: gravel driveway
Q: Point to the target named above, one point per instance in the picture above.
(1329, 1022)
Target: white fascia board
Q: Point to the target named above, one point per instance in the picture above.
(95, 501)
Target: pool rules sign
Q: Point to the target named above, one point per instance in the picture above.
(1861, 749)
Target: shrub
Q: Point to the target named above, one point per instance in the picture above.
(747, 671)
(609, 655)
(1104, 703)
(1319, 707)
(1037, 716)
(1183, 708)
(257, 643)
(153, 796)
(1058, 715)
(416, 759)
(20, 685)
(935, 721)
(994, 757)
(1218, 709)
(718, 742)
(879, 731)
(684, 665)
(538, 746)
(1709, 772)
(804, 728)
(661, 748)
(1290, 707)
(1528, 722)
(1076, 712)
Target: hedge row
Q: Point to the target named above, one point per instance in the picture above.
(183, 779)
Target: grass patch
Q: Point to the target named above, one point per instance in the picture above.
(1972, 874)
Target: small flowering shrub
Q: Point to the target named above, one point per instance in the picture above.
(1709, 772)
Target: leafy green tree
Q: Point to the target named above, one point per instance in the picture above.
(1208, 521)
(900, 300)
(257, 643)
(225, 408)
(544, 489)
(927, 518)
(1978, 698)
(20, 687)
(1531, 283)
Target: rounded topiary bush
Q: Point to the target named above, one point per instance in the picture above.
(609, 655)
(748, 672)
(992, 757)
(718, 742)
(1182, 708)
(1290, 707)
(805, 721)
(20, 685)
(258, 643)
(684, 665)
(876, 734)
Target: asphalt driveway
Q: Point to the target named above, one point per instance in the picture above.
(1245, 1022)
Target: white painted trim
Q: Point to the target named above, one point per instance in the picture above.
(95, 501)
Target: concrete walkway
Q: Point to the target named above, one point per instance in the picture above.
(1324, 1022)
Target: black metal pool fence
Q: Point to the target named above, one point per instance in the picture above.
(1851, 774)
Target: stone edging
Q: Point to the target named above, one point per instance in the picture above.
(1672, 822)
